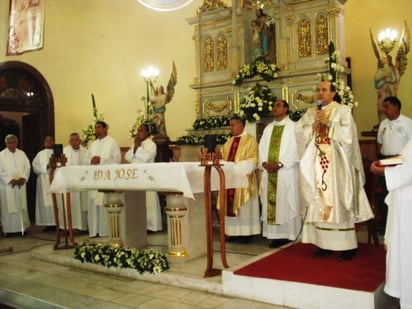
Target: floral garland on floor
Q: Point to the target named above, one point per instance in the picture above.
(145, 260)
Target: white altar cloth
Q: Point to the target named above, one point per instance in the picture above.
(186, 177)
(135, 179)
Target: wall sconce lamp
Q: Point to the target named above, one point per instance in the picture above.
(387, 39)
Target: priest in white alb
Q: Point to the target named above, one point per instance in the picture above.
(76, 154)
(14, 174)
(102, 151)
(398, 234)
(44, 202)
(144, 151)
(278, 160)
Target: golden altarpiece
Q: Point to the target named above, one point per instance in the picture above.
(223, 43)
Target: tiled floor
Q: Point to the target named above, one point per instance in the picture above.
(28, 278)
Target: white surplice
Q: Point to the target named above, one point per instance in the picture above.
(109, 151)
(79, 201)
(44, 202)
(399, 229)
(288, 217)
(146, 153)
(13, 200)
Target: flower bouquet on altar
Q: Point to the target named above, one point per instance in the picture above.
(256, 103)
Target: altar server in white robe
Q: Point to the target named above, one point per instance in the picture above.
(14, 173)
(398, 235)
(278, 160)
(76, 154)
(102, 151)
(242, 213)
(44, 202)
(144, 151)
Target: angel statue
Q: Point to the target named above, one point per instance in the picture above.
(388, 75)
(159, 99)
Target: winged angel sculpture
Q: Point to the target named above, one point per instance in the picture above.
(159, 100)
(388, 75)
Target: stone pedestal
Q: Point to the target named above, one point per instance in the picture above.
(133, 220)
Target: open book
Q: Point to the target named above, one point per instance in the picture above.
(391, 161)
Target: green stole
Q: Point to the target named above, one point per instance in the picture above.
(273, 156)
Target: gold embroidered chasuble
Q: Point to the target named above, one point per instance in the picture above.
(246, 156)
(273, 156)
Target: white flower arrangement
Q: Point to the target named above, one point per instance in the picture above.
(256, 103)
(259, 67)
(334, 69)
(142, 118)
(145, 260)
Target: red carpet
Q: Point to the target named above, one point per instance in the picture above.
(365, 272)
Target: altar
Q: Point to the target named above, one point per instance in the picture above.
(183, 183)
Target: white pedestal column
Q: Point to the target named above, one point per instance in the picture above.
(114, 207)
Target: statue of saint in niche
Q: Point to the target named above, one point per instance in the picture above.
(263, 37)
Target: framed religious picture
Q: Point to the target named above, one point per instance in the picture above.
(26, 22)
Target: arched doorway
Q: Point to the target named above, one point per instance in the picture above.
(27, 110)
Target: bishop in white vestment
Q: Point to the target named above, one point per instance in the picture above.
(14, 173)
(332, 176)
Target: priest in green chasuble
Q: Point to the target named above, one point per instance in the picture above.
(331, 176)
(278, 160)
(243, 215)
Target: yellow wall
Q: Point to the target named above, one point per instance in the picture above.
(100, 47)
(360, 15)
